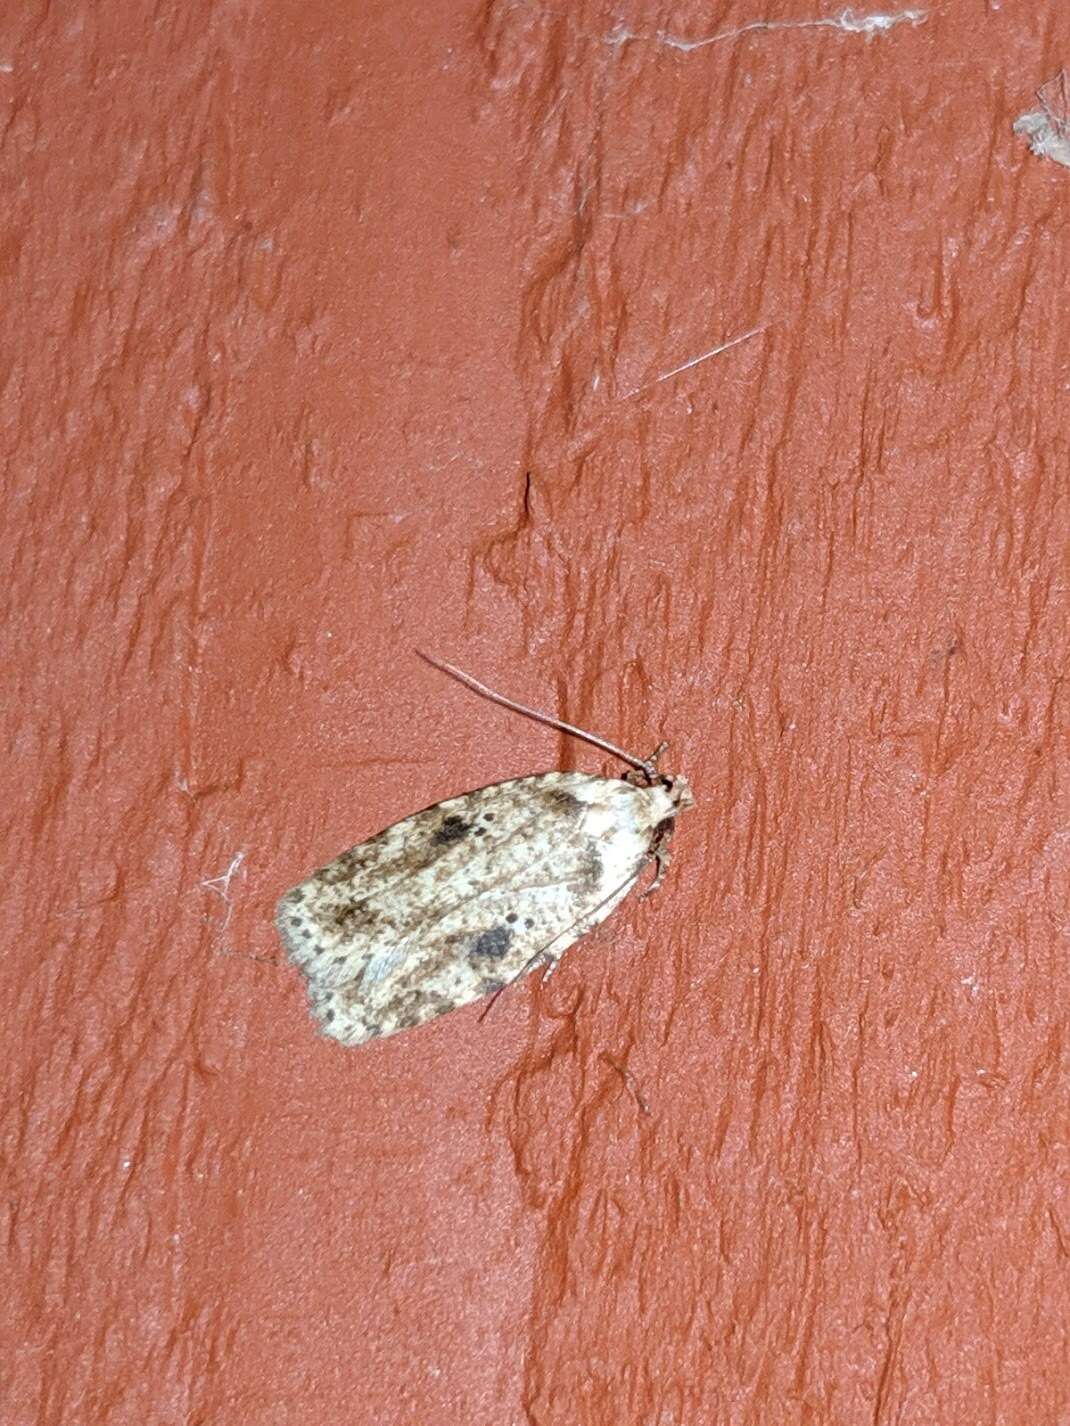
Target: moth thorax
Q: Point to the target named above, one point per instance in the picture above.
(667, 797)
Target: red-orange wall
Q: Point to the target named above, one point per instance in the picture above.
(334, 329)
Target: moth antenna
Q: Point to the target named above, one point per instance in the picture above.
(645, 766)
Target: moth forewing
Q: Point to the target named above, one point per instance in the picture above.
(452, 903)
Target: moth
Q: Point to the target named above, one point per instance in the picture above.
(455, 902)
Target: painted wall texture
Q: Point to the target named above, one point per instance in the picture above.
(333, 330)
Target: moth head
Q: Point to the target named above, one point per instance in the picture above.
(679, 790)
(645, 774)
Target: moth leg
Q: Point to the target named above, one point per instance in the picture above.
(659, 854)
(661, 859)
(550, 963)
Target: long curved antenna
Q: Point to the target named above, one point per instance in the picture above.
(645, 766)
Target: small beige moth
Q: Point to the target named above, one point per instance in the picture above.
(455, 902)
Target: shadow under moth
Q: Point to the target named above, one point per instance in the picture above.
(457, 901)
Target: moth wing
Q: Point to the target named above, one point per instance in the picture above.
(452, 903)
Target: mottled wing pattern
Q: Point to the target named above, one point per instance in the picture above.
(453, 902)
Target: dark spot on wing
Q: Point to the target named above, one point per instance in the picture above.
(563, 802)
(419, 1006)
(591, 871)
(352, 916)
(343, 868)
(452, 830)
(511, 917)
(492, 943)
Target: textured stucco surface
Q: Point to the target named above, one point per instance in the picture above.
(333, 330)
